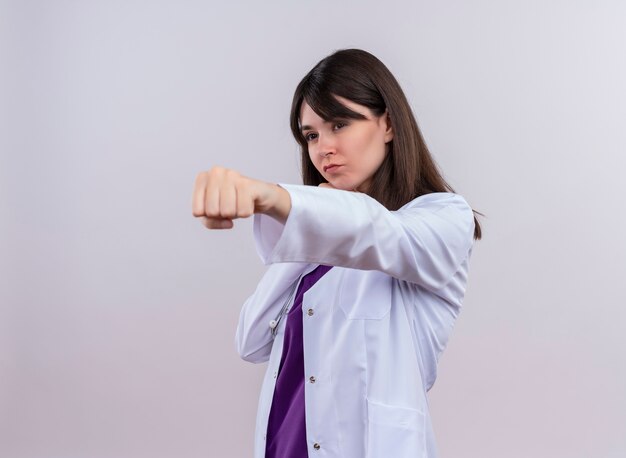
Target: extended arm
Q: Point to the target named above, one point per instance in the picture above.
(424, 242)
(253, 338)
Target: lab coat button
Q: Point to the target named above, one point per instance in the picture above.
(316, 446)
(310, 312)
(312, 379)
(275, 374)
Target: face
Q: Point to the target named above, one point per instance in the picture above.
(346, 152)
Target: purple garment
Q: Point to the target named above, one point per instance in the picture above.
(286, 428)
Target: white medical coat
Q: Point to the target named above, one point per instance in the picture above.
(373, 326)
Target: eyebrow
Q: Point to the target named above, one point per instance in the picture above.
(307, 127)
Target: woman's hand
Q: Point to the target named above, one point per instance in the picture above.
(330, 186)
(326, 185)
(220, 195)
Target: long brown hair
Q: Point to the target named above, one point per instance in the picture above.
(408, 170)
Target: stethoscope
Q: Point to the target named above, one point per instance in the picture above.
(276, 321)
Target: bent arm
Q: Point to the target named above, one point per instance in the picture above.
(253, 337)
(424, 242)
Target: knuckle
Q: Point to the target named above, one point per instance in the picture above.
(216, 171)
(231, 174)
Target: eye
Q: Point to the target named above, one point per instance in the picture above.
(308, 137)
(340, 124)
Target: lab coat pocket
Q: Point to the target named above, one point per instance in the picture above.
(394, 431)
(365, 294)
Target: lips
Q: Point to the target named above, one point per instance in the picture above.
(331, 167)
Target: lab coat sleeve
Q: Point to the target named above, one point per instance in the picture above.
(253, 337)
(424, 242)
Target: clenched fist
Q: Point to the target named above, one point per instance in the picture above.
(220, 195)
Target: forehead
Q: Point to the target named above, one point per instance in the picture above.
(308, 117)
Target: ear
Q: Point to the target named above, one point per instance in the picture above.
(389, 128)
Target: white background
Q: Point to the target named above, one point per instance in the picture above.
(118, 309)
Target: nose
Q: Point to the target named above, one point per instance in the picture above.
(326, 145)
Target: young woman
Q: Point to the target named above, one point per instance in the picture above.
(368, 265)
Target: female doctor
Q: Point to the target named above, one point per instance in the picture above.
(368, 265)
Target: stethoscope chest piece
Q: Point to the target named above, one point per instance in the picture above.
(283, 310)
